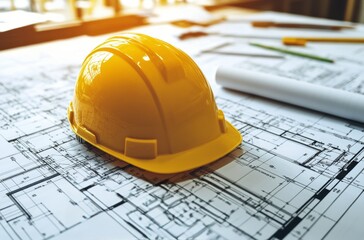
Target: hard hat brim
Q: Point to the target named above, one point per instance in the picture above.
(182, 161)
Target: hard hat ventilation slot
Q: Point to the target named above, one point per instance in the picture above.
(141, 148)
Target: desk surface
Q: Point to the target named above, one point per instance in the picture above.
(298, 174)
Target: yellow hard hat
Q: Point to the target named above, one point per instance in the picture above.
(146, 102)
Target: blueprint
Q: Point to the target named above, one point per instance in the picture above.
(298, 174)
(346, 74)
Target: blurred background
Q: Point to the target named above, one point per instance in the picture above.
(44, 20)
(62, 10)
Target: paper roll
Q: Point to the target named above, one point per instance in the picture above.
(317, 97)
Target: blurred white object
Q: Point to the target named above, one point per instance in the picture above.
(317, 97)
(19, 18)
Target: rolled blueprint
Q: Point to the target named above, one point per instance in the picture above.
(317, 97)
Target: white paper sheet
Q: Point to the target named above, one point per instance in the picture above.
(309, 95)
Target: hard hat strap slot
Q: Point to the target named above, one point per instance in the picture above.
(222, 122)
(141, 148)
(71, 113)
(86, 134)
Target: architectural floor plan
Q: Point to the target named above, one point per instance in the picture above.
(297, 175)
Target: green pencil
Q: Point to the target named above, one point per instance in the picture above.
(300, 54)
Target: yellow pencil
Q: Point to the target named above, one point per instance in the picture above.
(266, 24)
(301, 41)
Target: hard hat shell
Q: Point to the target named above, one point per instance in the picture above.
(146, 102)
